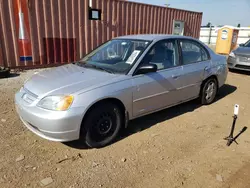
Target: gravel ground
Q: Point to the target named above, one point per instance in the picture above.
(179, 147)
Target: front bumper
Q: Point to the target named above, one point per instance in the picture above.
(235, 63)
(60, 126)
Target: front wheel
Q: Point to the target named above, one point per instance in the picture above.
(209, 91)
(102, 125)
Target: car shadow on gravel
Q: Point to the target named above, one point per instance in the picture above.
(148, 121)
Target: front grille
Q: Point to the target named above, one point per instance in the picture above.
(28, 96)
(244, 58)
(243, 67)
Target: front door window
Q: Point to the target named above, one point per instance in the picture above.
(164, 55)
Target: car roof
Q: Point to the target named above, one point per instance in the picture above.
(152, 37)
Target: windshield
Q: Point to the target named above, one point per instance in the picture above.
(247, 44)
(115, 56)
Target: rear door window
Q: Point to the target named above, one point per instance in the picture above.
(192, 52)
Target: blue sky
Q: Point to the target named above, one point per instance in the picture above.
(218, 12)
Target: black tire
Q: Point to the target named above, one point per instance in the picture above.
(102, 125)
(205, 98)
(4, 72)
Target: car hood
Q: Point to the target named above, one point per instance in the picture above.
(242, 51)
(68, 79)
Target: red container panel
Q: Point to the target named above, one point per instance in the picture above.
(60, 31)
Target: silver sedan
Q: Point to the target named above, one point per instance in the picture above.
(240, 57)
(131, 76)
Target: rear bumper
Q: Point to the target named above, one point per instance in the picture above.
(223, 76)
(234, 63)
(60, 126)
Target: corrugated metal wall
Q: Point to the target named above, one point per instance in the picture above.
(1, 58)
(59, 31)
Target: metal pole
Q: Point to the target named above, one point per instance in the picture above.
(167, 5)
(210, 33)
(90, 3)
(233, 126)
(230, 138)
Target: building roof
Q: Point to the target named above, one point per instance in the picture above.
(151, 37)
(226, 26)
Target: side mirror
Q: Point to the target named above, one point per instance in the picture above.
(146, 69)
(242, 45)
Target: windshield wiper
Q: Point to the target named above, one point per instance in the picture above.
(107, 70)
(97, 67)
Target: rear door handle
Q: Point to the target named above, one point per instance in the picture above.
(206, 68)
(175, 76)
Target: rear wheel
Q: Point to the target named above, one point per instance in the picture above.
(209, 91)
(102, 125)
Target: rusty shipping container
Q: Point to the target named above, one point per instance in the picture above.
(42, 33)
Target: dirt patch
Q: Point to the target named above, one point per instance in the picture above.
(179, 147)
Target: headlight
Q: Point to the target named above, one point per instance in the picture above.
(232, 54)
(58, 103)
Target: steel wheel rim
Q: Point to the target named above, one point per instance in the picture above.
(103, 127)
(210, 91)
